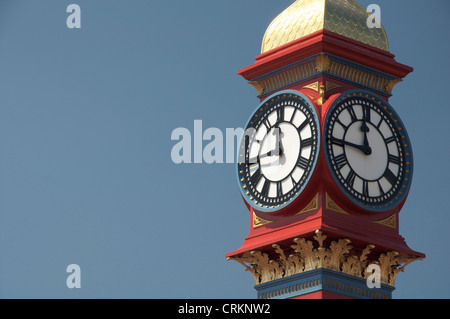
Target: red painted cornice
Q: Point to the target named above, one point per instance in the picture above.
(328, 42)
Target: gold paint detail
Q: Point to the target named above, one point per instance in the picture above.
(390, 85)
(331, 86)
(391, 267)
(321, 99)
(258, 86)
(391, 221)
(258, 221)
(305, 255)
(313, 86)
(331, 205)
(322, 63)
(347, 287)
(304, 17)
(313, 205)
(285, 77)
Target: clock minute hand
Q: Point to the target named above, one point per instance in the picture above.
(276, 152)
(365, 149)
(256, 159)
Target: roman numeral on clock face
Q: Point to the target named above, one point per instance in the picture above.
(380, 189)
(366, 113)
(280, 114)
(352, 113)
(265, 189)
(307, 142)
(394, 159)
(389, 139)
(365, 188)
(279, 190)
(303, 163)
(350, 179)
(341, 161)
(302, 126)
(391, 177)
(267, 124)
(256, 177)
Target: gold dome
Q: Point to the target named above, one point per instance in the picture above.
(304, 17)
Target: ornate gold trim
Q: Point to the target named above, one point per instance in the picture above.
(258, 221)
(390, 85)
(306, 255)
(391, 221)
(258, 86)
(313, 205)
(331, 86)
(321, 99)
(322, 63)
(313, 86)
(331, 205)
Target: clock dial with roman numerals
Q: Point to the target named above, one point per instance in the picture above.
(368, 150)
(279, 151)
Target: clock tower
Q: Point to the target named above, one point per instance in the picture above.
(325, 163)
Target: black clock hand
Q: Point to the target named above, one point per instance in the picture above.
(279, 150)
(366, 150)
(276, 152)
(280, 144)
(365, 129)
(256, 159)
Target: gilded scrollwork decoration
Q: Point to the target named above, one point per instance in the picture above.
(306, 255)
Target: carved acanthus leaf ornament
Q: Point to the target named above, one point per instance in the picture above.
(305, 255)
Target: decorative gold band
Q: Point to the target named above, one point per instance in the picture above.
(336, 67)
(304, 255)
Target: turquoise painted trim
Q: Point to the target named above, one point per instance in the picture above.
(313, 73)
(362, 87)
(264, 95)
(360, 66)
(286, 67)
(409, 168)
(322, 280)
(251, 118)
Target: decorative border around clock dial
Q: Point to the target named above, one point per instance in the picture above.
(302, 167)
(384, 190)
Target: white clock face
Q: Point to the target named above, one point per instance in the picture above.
(368, 151)
(279, 151)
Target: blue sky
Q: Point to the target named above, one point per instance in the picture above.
(86, 117)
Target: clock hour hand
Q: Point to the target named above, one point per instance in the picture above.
(365, 149)
(280, 144)
(279, 150)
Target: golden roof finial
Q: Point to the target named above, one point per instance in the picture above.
(304, 17)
